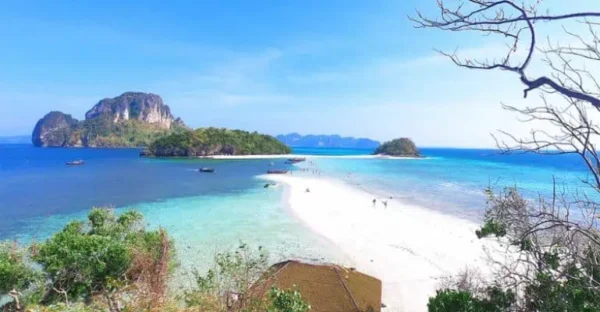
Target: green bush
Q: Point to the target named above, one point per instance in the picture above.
(234, 273)
(564, 269)
(449, 300)
(287, 301)
(454, 300)
(15, 272)
(96, 257)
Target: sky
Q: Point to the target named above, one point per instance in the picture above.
(356, 68)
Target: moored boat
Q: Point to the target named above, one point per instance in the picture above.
(75, 163)
(292, 161)
(206, 169)
(277, 171)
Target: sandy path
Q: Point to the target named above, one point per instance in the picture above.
(407, 247)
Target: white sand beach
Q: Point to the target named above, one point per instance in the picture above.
(409, 248)
(282, 156)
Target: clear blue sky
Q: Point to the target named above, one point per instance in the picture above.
(348, 67)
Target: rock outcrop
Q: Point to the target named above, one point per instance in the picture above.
(402, 147)
(54, 129)
(130, 120)
(146, 107)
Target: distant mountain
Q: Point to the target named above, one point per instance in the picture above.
(297, 140)
(16, 139)
(129, 120)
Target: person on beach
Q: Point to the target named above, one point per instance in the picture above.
(384, 203)
(374, 202)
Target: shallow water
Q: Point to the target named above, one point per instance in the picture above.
(453, 180)
(206, 213)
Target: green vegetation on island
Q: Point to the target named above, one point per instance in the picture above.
(103, 132)
(215, 141)
(132, 119)
(403, 147)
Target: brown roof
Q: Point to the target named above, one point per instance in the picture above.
(327, 288)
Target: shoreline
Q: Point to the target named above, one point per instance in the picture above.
(408, 248)
(241, 157)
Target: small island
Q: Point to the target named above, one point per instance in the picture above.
(402, 147)
(215, 141)
(132, 119)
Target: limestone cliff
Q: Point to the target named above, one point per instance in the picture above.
(146, 107)
(129, 120)
(54, 129)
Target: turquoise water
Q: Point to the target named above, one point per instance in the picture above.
(453, 180)
(204, 213)
(207, 213)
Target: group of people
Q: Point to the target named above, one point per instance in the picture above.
(384, 202)
(314, 170)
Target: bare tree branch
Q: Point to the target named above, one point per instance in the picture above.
(511, 20)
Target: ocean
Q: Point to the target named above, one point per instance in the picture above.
(454, 180)
(207, 213)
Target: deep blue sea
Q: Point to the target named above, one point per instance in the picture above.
(39, 193)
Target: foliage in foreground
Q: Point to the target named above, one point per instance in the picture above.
(234, 285)
(15, 274)
(97, 257)
(105, 259)
(111, 263)
(555, 266)
(287, 301)
(231, 278)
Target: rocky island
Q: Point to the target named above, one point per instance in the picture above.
(132, 119)
(402, 147)
(214, 141)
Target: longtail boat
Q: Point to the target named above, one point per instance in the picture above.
(277, 171)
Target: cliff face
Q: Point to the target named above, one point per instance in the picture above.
(130, 120)
(146, 107)
(54, 129)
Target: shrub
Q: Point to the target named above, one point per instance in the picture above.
(15, 273)
(287, 301)
(97, 257)
(449, 300)
(17, 277)
(227, 285)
